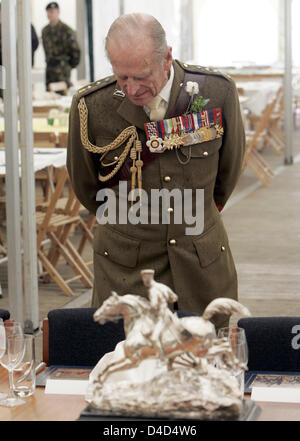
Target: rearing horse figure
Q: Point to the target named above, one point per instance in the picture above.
(189, 340)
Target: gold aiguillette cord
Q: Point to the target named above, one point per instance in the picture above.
(139, 163)
(133, 147)
(133, 170)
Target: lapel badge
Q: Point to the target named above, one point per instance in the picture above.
(119, 93)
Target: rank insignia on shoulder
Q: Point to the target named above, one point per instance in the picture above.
(184, 130)
(96, 85)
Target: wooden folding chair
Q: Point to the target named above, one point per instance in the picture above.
(45, 178)
(73, 207)
(275, 136)
(86, 225)
(254, 140)
(57, 227)
(87, 235)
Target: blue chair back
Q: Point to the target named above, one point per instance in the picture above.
(76, 340)
(273, 342)
(4, 314)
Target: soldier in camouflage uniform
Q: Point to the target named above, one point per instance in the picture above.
(61, 47)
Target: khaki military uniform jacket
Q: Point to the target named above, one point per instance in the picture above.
(198, 267)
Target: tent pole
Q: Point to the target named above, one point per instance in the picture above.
(31, 312)
(288, 90)
(12, 184)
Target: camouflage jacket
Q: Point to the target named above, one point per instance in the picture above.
(60, 45)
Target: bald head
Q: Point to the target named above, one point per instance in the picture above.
(133, 31)
(141, 60)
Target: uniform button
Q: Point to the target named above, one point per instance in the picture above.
(223, 248)
(205, 153)
(172, 242)
(105, 253)
(167, 179)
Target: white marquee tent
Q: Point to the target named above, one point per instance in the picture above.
(210, 32)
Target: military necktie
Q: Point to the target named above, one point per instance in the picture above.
(157, 110)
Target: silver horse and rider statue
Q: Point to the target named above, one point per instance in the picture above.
(152, 330)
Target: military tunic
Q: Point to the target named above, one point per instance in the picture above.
(198, 268)
(62, 52)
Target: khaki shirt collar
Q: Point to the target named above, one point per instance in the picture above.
(165, 92)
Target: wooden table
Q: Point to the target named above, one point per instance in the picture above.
(278, 411)
(45, 135)
(42, 158)
(42, 407)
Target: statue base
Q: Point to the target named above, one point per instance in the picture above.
(250, 412)
(177, 394)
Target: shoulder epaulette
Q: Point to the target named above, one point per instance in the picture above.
(203, 70)
(96, 85)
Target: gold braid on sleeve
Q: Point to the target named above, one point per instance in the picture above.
(132, 146)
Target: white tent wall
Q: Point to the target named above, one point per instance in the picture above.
(236, 32)
(104, 13)
(221, 33)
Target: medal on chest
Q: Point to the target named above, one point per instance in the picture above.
(184, 130)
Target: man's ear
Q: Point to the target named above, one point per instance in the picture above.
(168, 59)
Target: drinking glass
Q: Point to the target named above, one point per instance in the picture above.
(24, 377)
(13, 354)
(2, 349)
(239, 347)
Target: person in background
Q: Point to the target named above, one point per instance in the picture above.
(61, 47)
(34, 44)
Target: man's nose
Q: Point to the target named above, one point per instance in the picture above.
(132, 87)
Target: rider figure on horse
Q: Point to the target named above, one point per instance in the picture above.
(159, 296)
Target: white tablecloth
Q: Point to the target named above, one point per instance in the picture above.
(259, 94)
(42, 158)
(54, 100)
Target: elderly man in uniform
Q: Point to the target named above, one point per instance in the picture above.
(61, 47)
(117, 136)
